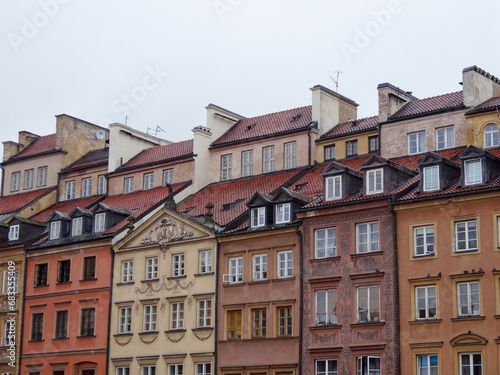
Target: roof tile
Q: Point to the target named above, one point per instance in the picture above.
(429, 105)
(350, 127)
(13, 203)
(159, 154)
(66, 207)
(38, 146)
(90, 159)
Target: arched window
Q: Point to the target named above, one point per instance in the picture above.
(491, 135)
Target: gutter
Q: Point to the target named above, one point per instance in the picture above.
(110, 305)
(216, 302)
(301, 299)
(397, 342)
(22, 312)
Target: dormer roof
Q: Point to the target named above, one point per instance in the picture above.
(259, 199)
(58, 215)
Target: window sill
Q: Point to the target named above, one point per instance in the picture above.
(41, 286)
(86, 337)
(496, 316)
(89, 279)
(177, 277)
(465, 251)
(425, 256)
(425, 321)
(227, 285)
(60, 338)
(148, 333)
(204, 274)
(326, 326)
(361, 255)
(327, 259)
(42, 340)
(254, 282)
(123, 334)
(176, 331)
(368, 324)
(468, 317)
(149, 281)
(202, 329)
(290, 278)
(63, 282)
(127, 283)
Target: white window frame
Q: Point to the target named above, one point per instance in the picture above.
(285, 264)
(178, 265)
(327, 150)
(152, 268)
(427, 367)
(86, 187)
(259, 267)
(226, 170)
(470, 292)
(258, 217)
(351, 147)
(375, 181)
(325, 243)
(364, 365)
(490, 136)
(423, 240)
(7, 287)
(101, 184)
(290, 155)
(28, 178)
(148, 370)
(42, 176)
(416, 143)
(246, 163)
(470, 366)
(70, 190)
(150, 318)
(283, 213)
(373, 143)
(168, 177)
(6, 332)
(125, 319)
(203, 368)
(425, 302)
(127, 271)
(473, 172)
(123, 370)
(204, 318)
(76, 226)
(268, 159)
(469, 237)
(55, 230)
(445, 137)
(14, 232)
(431, 178)
(177, 315)
(149, 180)
(327, 363)
(235, 268)
(100, 222)
(326, 307)
(333, 188)
(175, 369)
(370, 289)
(16, 181)
(128, 185)
(206, 261)
(371, 244)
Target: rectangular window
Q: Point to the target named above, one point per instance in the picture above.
(431, 178)
(88, 322)
(326, 367)
(177, 315)
(427, 364)
(425, 302)
(168, 177)
(367, 237)
(258, 217)
(61, 324)
(16, 181)
(259, 267)
(235, 270)
(28, 178)
(351, 148)
(333, 188)
(37, 327)
(148, 370)
(149, 318)
(55, 230)
(416, 143)
(10, 282)
(368, 366)
(149, 181)
(325, 243)
(128, 185)
(259, 322)
(125, 319)
(445, 138)
(473, 172)
(151, 268)
(42, 176)
(204, 313)
(203, 368)
(9, 329)
(468, 298)
(59, 372)
(285, 321)
(268, 159)
(175, 369)
(285, 264)
(234, 324)
(247, 163)
(375, 181)
(70, 190)
(87, 187)
(89, 268)
(101, 184)
(123, 370)
(373, 144)
(326, 307)
(100, 222)
(76, 226)
(423, 240)
(368, 303)
(41, 274)
(127, 271)
(13, 232)
(63, 271)
(282, 213)
(471, 364)
(206, 261)
(466, 235)
(226, 167)
(329, 152)
(178, 265)
(290, 155)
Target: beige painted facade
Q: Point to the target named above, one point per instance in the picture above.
(340, 145)
(164, 279)
(76, 179)
(476, 124)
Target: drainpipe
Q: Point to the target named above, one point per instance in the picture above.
(21, 310)
(301, 292)
(112, 252)
(216, 302)
(396, 291)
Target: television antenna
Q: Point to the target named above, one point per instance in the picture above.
(336, 80)
(158, 129)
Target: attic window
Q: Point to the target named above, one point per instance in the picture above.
(296, 117)
(13, 232)
(55, 230)
(229, 206)
(250, 126)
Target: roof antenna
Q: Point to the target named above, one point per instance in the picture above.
(156, 130)
(126, 118)
(336, 80)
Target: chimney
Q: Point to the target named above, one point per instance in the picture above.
(25, 138)
(209, 220)
(390, 100)
(479, 86)
(9, 149)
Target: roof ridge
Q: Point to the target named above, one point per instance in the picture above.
(438, 96)
(273, 113)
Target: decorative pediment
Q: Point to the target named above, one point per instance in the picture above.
(286, 195)
(164, 232)
(374, 161)
(468, 338)
(471, 152)
(58, 215)
(259, 199)
(333, 168)
(430, 158)
(79, 211)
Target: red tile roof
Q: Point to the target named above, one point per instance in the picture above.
(160, 154)
(90, 159)
(411, 162)
(39, 146)
(283, 122)
(66, 207)
(429, 105)
(489, 104)
(13, 203)
(351, 127)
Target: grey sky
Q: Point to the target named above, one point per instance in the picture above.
(162, 61)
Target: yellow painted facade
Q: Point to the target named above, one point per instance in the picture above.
(340, 145)
(476, 125)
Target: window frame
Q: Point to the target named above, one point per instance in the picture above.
(327, 152)
(333, 188)
(87, 322)
(100, 222)
(475, 176)
(351, 148)
(14, 232)
(325, 248)
(322, 316)
(226, 168)
(86, 187)
(471, 363)
(206, 368)
(177, 315)
(127, 271)
(327, 363)
(28, 178)
(15, 184)
(369, 370)
(268, 159)
(76, 226)
(470, 304)
(259, 267)
(369, 233)
(149, 180)
(418, 144)
(258, 213)
(178, 265)
(42, 176)
(491, 136)
(370, 309)
(61, 324)
(175, 369)
(204, 313)
(468, 239)
(101, 184)
(421, 370)
(70, 191)
(235, 277)
(429, 301)
(234, 324)
(284, 321)
(168, 176)
(290, 155)
(283, 213)
(150, 318)
(425, 243)
(376, 140)
(89, 269)
(246, 163)
(128, 185)
(431, 176)
(55, 230)
(41, 274)
(445, 141)
(373, 185)
(125, 320)
(259, 322)
(206, 261)
(37, 326)
(284, 266)
(152, 268)
(64, 271)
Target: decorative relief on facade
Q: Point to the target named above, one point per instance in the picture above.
(149, 342)
(326, 338)
(367, 335)
(175, 341)
(167, 231)
(203, 338)
(174, 286)
(123, 343)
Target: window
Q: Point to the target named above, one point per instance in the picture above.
(41, 274)
(368, 303)
(427, 364)
(285, 263)
(351, 148)
(326, 367)
(425, 302)
(14, 232)
(368, 366)
(367, 237)
(329, 152)
(468, 298)
(431, 178)
(87, 187)
(259, 267)
(42, 176)
(63, 271)
(168, 177)
(177, 315)
(178, 265)
(466, 235)
(37, 327)
(101, 184)
(445, 138)
(375, 181)
(258, 217)
(326, 307)
(416, 143)
(247, 163)
(88, 372)
(259, 323)
(61, 324)
(204, 313)
(148, 370)
(128, 185)
(149, 318)
(10, 282)
(28, 178)
(55, 230)
(151, 268)
(16, 181)
(127, 271)
(76, 226)
(175, 369)
(471, 364)
(125, 319)
(423, 240)
(234, 324)
(285, 321)
(226, 167)
(100, 222)
(333, 188)
(373, 143)
(203, 368)
(9, 330)
(325, 243)
(491, 136)
(268, 159)
(473, 172)
(89, 268)
(206, 261)
(282, 213)
(149, 181)
(88, 322)
(123, 370)
(235, 270)
(290, 155)
(70, 190)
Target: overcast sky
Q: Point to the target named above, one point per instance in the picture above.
(160, 62)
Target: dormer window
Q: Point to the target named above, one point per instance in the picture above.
(55, 230)
(283, 213)
(374, 181)
(431, 178)
(258, 217)
(99, 222)
(333, 188)
(473, 172)
(491, 136)
(76, 226)
(13, 232)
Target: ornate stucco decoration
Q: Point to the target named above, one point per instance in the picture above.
(174, 286)
(203, 338)
(123, 343)
(167, 231)
(175, 341)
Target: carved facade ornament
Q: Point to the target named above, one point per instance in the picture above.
(175, 341)
(367, 335)
(148, 342)
(167, 231)
(174, 286)
(123, 343)
(203, 338)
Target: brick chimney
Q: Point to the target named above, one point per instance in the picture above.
(479, 86)
(390, 100)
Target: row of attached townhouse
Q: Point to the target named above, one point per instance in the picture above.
(291, 250)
